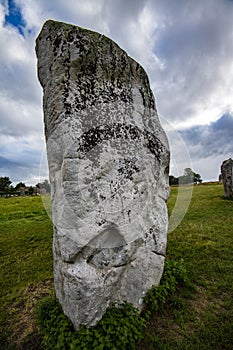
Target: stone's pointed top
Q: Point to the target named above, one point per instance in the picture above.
(58, 36)
(53, 27)
(228, 160)
(108, 162)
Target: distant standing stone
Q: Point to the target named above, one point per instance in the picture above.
(109, 163)
(227, 177)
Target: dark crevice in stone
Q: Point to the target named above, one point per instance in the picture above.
(158, 253)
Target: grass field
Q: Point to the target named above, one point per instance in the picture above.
(26, 264)
(193, 319)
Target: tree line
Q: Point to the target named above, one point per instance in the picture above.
(189, 177)
(6, 187)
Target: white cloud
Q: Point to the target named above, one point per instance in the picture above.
(13, 44)
(83, 13)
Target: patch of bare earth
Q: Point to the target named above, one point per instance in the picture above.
(24, 331)
(199, 306)
(165, 323)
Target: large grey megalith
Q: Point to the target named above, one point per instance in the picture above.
(108, 162)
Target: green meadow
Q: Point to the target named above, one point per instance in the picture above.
(195, 317)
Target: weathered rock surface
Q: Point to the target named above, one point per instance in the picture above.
(227, 177)
(108, 161)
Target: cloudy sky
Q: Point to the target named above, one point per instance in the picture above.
(185, 46)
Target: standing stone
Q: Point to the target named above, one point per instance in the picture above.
(108, 162)
(227, 177)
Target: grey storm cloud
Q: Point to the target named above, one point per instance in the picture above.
(7, 168)
(123, 9)
(6, 163)
(194, 40)
(210, 140)
(27, 165)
